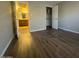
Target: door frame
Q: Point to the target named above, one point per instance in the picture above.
(46, 16)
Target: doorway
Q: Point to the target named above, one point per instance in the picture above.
(20, 17)
(48, 18)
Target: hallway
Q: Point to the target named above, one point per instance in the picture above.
(47, 43)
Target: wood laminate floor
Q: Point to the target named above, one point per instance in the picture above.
(47, 43)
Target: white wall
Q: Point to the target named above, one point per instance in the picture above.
(55, 17)
(69, 16)
(6, 33)
(38, 15)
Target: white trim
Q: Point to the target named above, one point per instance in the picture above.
(69, 30)
(54, 28)
(6, 47)
(37, 30)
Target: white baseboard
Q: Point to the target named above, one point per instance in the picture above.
(54, 28)
(69, 30)
(6, 47)
(37, 30)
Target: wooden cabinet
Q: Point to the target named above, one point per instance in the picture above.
(23, 23)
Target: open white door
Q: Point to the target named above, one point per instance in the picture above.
(55, 17)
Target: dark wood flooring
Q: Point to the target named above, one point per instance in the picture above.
(45, 44)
